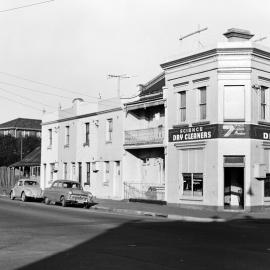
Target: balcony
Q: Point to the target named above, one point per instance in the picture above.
(144, 136)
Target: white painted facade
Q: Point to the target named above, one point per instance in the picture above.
(79, 149)
(221, 159)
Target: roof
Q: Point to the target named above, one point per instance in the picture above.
(22, 123)
(32, 159)
(153, 86)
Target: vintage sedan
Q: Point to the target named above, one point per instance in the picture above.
(26, 189)
(67, 192)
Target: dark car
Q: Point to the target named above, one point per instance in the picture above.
(67, 192)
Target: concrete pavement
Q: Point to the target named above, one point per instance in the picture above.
(174, 212)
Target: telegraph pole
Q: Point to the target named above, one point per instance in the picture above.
(118, 77)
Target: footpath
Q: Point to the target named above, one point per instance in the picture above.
(175, 212)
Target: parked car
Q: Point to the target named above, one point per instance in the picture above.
(67, 192)
(26, 189)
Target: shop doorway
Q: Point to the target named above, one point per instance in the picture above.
(234, 182)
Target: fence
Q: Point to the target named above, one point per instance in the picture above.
(8, 177)
(147, 191)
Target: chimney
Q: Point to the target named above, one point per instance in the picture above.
(235, 34)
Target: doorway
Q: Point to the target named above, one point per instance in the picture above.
(234, 185)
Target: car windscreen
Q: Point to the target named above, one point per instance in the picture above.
(71, 185)
(30, 183)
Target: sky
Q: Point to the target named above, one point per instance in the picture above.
(53, 52)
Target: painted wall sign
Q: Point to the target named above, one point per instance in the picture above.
(219, 131)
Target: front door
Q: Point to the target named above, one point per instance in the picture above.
(234, 184)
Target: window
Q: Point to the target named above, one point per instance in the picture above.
(193, 184)
(51, 171)
(107, 172)
(182, 106)
(67, 136)
(264, 102)
(50, 137)
(202, 103)
(87, 132)
(267, 185)
(73, 172)
(65, 170)
(109, 130)
(234, 103)
(88, 173)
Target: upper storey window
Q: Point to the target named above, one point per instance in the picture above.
(234, 103)
(264, 103)
(183, 106)
(202, 102)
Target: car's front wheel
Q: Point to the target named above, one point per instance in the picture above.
(23, 197)
(12, 195)
(63, 201)
(47, 201)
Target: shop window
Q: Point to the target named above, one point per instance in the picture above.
(234, 103)
(182, 107)
(193, 184)
(267, 186)
(202, 102)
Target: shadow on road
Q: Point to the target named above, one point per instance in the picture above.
(237, 244)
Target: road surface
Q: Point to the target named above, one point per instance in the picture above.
(37, 236)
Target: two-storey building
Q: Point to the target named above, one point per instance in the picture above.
(84, 143)
(143, 160)
(218, 117)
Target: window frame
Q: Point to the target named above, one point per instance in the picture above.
(109, 130)
(182, 106)
(87, 133)
(67, 136)
(193, 177)
(202, 103)
(50, 137)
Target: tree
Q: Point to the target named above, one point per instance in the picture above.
(11, 148)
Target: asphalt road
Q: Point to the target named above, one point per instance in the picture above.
(37, 236)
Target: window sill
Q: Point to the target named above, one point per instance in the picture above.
(66, 146)
(181, 125)
(264, 123)
(105, 184)
(49, 147)
(108, 142)
(85, 144)
(201, 123)
(234, 120)
(191, 198)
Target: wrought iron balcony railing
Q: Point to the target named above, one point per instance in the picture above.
(145, 136)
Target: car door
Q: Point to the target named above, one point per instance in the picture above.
(50, 192)
(18, 188)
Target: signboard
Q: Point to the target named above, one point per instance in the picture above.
(219, 131)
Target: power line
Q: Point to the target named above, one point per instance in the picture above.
(29, 106)
(46, 84)
(25, 6)
(23, 97)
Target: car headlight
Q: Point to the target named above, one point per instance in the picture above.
(70, 192)
(89, 197)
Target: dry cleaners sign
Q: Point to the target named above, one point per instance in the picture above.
(235, 131)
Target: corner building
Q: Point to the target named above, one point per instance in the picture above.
(218, 121)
